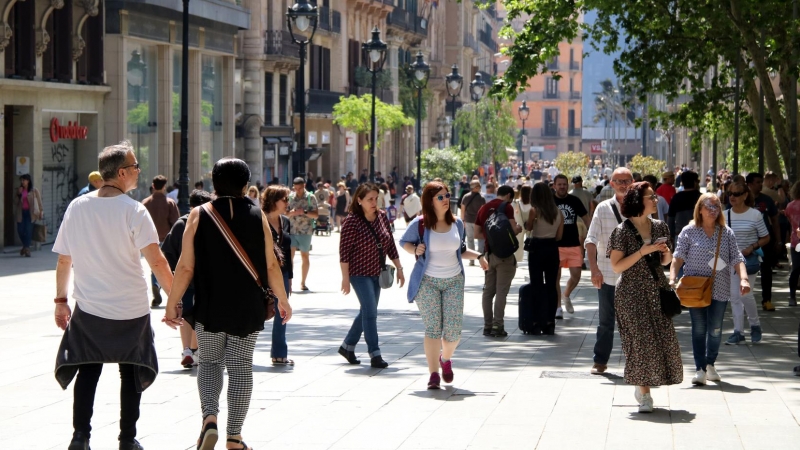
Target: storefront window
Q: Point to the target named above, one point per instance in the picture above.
(211, 116)
(140, 63)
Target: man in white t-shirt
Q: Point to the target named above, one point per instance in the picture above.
(111, 321)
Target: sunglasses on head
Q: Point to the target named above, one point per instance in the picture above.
(442, 197)
(737, 194)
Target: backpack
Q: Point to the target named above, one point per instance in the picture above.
(501, 238)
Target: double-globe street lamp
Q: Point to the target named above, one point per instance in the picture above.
(523, 116)
(419, 79)
(183, 169)
(303, 15)
(374, 55)
(454, 84)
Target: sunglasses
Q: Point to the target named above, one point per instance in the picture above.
(284, 199)
(135, 166)
(626, 181)
(442, 197)
(737, 194)
(653, 197)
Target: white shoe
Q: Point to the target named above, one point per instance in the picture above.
(637, 394)
(646, 406)
(711, 373)
(699, 378)
(188, 358)
(568, 305)
(559, 313)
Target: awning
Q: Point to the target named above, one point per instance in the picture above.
(271, 140)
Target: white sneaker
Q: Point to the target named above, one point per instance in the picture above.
(699, 378)
(637, 394)
(559, 313)
(646, 405)
(188, 358)
(711, 373)
(196, 357)
(568, 305)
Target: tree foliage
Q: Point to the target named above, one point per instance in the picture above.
(669, 48)
(355, 113)
(486, 129)
(447, 163)
(408, 94)
(572, 164)
(647, 165)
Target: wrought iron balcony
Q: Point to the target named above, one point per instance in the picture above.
(552, 95)
(321, 102)
(407, 21)
(575, 132)
(576, 95)
(574, 65)
(470, 42)
(486, 38)
(330, 19)
(279, 42)
(550, 131)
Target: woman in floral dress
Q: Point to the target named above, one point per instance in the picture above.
(652, 352)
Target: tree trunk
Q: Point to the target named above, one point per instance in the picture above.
(770, 151)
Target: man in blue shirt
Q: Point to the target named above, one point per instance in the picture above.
(95, 182)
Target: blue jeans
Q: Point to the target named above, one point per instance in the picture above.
(605, 327)
(368, 292)
(279, 347)
(707, 332)
(25, 228)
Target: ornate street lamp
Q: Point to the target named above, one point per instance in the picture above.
(454, 84)
(477, 87)
(419, 79)
(183, 167)
(303, 15)
(523, 116)
(374, 55)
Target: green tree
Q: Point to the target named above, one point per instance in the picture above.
(669, 48)
(647, 165)
(447, 163)
(408, 94)
(355, 113)
(572, 164)
(487, 130)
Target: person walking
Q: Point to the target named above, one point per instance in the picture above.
(769, 210)
(95, 183)
(28, 208)
(751, 234)
(365, 243)
(303, 209)
(500, 271)
(793, 214)
(667, 188)
(638, 251)
(111, 319)
(172, 248)
(682, 204)
(437, 281)
(546, 226)
(471, 203)
(230, 308)
(164, 212)
(695, 252)
(274, 202)
(569, 247)
(606, 218)
(252, 195)
(342, 204)
(411, 205)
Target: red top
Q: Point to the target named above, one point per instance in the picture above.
(667, 191)
(487, 210)
(358, 248)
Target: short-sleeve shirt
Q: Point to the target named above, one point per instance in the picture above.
(793, 214)
(302, 224)
(572, 209)
(767, 207)
(104, 236)
(487, 210)
(696, 249)
(584, 196)
(667, 191)
(472, 203)
(747, 226)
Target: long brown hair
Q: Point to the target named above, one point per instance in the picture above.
(543, 202)
(272, 195)
(428, 211)
(361, 192)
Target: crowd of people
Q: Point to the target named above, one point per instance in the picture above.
(227, 268)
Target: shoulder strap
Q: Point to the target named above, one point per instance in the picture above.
(237, 248)
(421, 227)
(377, 240)
(716, 254)
(653, 270)
(729, 217)
(616, 213)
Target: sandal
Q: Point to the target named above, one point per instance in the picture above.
(208, 437)
(282, 362)
(237, 441)
(303, 287)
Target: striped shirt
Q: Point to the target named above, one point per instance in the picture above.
(747, 226)
(603, 224)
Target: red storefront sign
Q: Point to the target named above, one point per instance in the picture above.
(70, 131)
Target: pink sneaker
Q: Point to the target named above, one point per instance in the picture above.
(433, 383)
(447, 370)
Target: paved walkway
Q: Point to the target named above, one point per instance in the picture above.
(517, 392)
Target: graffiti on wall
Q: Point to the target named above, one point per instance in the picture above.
(59, 183)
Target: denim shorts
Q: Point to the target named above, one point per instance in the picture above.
(302, 242)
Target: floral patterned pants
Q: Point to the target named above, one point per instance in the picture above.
(441, 305)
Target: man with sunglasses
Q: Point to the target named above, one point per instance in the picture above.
(767, 208)
(606, 217)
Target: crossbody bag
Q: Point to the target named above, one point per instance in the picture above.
(696, 292)
(241, 254)
(670, 304)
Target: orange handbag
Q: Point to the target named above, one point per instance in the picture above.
(695, 292)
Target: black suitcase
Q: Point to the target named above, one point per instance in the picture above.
(527, 317)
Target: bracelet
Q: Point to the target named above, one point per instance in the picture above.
(60, 300)
(399, 268)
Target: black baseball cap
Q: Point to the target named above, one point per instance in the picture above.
(577, 179)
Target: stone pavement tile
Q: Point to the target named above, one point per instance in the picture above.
(443, 433)
(778, 437)
(627, 428)
(502, 436)
(712, 437)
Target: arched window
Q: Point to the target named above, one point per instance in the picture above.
(19, 54)
(90, 62)
(57, 57)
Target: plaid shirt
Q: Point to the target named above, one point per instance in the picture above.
(603, 223)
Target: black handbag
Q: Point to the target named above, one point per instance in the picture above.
(670, 303)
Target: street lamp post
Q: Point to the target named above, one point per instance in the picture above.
(419, 79)
(454, 84)
(523, 116)
(183, 171)
(303, 15)
(374, 56)
(476, 89)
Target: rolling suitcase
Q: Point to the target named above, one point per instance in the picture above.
(526, 309)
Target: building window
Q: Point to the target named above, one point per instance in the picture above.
(141, 64)
(19, 54)
(551, 88)
(570, 147)
(268, 95)
(57, 58)
(354, 60)
(320, 68)
(211, 113)
(571, 85)
(550, 123)
(282, 99)
(90, 64)
(571, 121)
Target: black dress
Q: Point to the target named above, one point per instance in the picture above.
(341, 205)
(227, 299)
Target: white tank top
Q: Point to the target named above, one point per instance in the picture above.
(442, 253)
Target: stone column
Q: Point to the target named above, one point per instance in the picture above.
(195, 96)
(228, 122)
(166, 150)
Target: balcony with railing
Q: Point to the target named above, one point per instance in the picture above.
(330, 19)
(575, 95)
(575, 132)
(280, 43)
(486, 39)
(385, 95)
(470, 42)
(574, 65)
(550, 130)
(551, 95)
(406, 21)
(321, 102)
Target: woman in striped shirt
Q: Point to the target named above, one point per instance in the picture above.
(751, 233)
